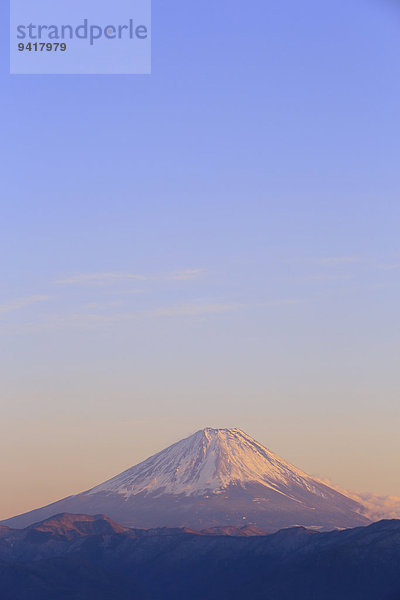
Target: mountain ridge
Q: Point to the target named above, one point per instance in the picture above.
(165, 564)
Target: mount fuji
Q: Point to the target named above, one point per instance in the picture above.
(215, 477)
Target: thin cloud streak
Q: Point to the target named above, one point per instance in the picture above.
(100, 278)
(22, 303)
(335, 261)
(285, 302)
(89, 320)
(185, 275)
(321, 277)
(126, 292)
(121, 276)
(391, 267)
(194, 310)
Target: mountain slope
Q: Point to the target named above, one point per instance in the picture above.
(214, 477)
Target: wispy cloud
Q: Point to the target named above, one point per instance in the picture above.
(109, 278)
(194, 310)
(389, 267)
(21, 303)
(100, 278)
(325, 277)
(102, 305)
(374, 507)
(185, 275)
(285, 302)
(336, 261)
(379, 507)
(92, 319)
(126, 292)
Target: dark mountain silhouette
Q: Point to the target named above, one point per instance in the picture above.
(80, 557)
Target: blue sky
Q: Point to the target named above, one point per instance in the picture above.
(214, 244)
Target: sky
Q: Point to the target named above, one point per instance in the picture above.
(215, 244)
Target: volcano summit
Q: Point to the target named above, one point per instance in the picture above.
(214, 477)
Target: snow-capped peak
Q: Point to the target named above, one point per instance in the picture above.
(208, 462)
(213, 477)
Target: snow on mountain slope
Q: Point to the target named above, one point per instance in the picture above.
(207, 462)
